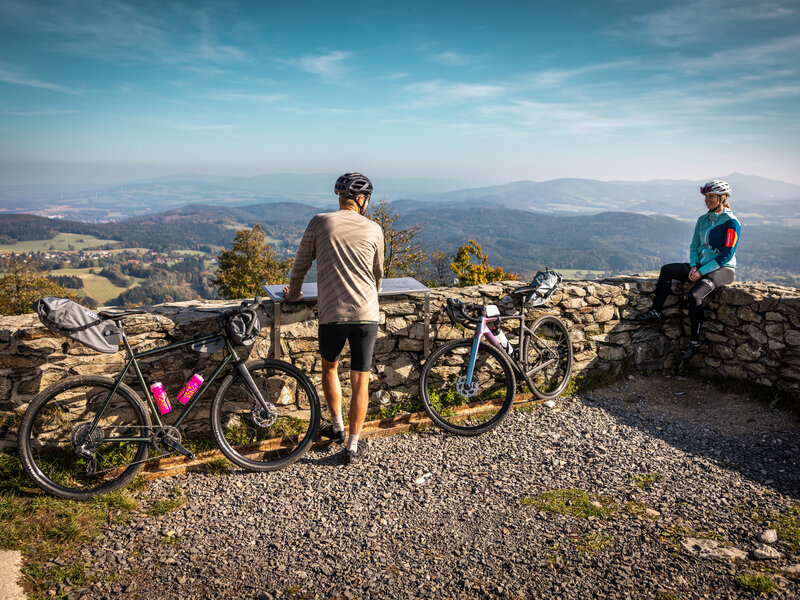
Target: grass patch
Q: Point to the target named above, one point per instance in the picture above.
(674, 533)
(638, 510)
(392, 410)
(170, 540)
(46, 529)
(759, 583)
(216, 466)
(572, 502)
(166, 505)
(645, 480)
(591, 543)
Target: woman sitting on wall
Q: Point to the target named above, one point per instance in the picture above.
(711, 261)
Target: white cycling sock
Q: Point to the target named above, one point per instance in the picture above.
(352, 443)
(338, 424)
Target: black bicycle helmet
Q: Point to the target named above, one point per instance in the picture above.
(351, 185)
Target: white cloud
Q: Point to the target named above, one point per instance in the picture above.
(247, 97)
(452, 59)
(328, 66)
(434, 93)
(690, 20)
(17, 78)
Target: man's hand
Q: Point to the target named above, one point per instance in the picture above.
(694, 275)
(286, 294)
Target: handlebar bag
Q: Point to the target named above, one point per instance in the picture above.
(77, 322)
(545, 283)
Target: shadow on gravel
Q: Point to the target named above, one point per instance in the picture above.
(733, 431)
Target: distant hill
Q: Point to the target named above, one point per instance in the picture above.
(520, 241)
(756, 200)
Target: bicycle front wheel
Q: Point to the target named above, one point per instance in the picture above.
(461, 407)
(260, 440)
(65, 453)
(548, 351)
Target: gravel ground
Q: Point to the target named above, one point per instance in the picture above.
(670, 457)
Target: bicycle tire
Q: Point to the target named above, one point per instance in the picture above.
(448, 407)
(240, 428)
(552, 341)
(59, 419)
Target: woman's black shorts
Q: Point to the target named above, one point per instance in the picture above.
(361, 336)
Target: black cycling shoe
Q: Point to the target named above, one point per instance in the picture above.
(651, 316)
(327, 431)
(691, 349)
(353, 457)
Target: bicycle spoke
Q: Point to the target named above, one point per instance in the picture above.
(461, 406)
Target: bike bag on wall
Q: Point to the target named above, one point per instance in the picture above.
(545, 283)
(69, 318)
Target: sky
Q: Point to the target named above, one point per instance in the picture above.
(112, 90)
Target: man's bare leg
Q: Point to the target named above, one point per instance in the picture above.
(332, 388)
(359, 380)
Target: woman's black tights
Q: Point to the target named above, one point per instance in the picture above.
(699, 290)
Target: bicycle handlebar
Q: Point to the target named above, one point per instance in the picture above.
(458, 311)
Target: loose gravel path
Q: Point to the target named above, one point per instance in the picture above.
(669, 458)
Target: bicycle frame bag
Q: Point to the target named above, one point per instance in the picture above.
(69, 318)
(545, 283)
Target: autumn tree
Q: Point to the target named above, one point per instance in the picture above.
(401, 256)
(470, 273)
(437, 271)
(249, 264)
(23, 282)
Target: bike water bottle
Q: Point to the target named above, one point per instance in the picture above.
(160, 396)
(503, 340)
(189, 388)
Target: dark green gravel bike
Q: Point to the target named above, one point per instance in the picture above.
(89, 435)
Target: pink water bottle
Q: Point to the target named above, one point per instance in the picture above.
(160, 396)
(189, 388)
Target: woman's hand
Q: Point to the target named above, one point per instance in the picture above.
(694, 274)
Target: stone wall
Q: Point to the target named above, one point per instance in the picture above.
(752, 332)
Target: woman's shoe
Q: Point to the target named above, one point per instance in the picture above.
(691, 349)
(651, 316)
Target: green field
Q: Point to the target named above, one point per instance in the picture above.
(580, 273)
(95, 286)
(60, 243)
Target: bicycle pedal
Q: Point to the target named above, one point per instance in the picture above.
(168, 441)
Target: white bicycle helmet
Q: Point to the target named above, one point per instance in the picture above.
(716, 186)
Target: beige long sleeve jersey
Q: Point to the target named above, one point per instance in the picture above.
(348, 248)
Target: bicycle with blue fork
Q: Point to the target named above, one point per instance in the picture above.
(468, 386)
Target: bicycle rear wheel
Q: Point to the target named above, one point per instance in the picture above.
(61, 451)
(255, 439)
(548, 350)
(451, 403)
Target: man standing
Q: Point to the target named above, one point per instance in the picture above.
(348, 248)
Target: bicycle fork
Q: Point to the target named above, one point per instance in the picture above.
(480, 331)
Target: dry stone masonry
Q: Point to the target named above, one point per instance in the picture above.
(752, 332)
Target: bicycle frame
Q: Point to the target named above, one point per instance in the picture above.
(231, 356)
(482, 329)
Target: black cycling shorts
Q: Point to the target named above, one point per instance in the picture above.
(361, 337)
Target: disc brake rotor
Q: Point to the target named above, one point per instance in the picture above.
(262, 417)
(466, 390)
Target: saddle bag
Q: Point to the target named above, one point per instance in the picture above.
(545, 283)
(69, 318)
